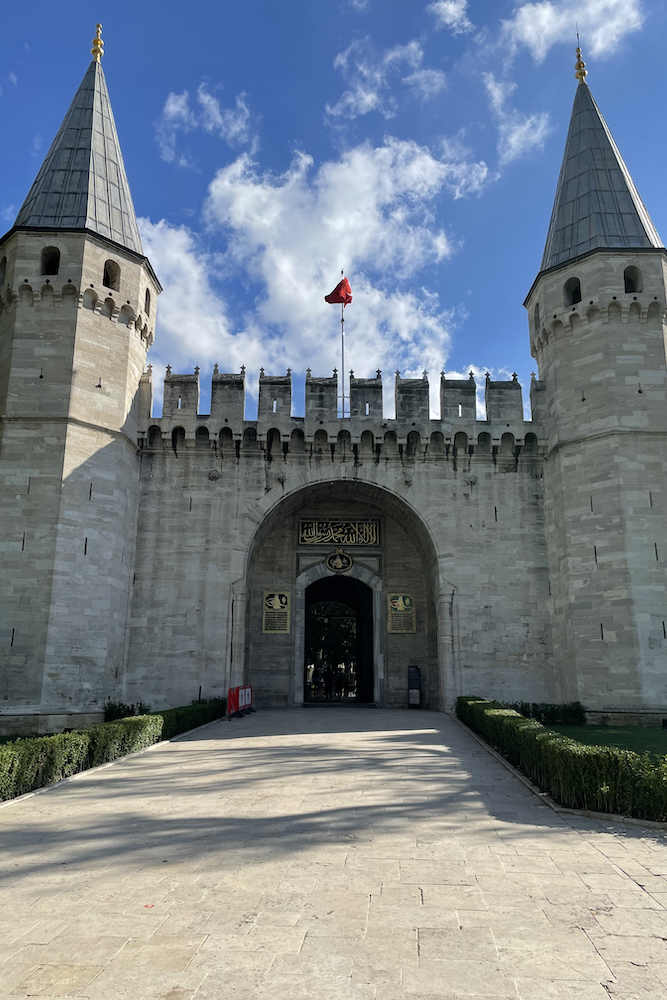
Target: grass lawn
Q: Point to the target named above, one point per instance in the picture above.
(637, 738)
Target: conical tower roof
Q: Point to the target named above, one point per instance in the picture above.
(82, 182)
(597, 204)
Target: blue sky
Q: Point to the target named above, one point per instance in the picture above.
(416, 145)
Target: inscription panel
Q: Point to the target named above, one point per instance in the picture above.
(327, 532)
(275, 617)
(402, 616)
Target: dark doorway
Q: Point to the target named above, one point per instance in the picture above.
(338, 662)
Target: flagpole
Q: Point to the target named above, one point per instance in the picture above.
(342, 352)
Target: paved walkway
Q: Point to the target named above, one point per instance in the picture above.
(346, 854)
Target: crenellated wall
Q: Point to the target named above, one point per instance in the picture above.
(460, 505)
(411, 433)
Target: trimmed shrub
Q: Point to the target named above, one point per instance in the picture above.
(572, 713)
(119, 710)
(604, 779)
(27, 764)
(111, 740)
(179, 720)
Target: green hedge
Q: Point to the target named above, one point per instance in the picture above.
(179, 720)
(27, 764)
(604, 779)
(572, 713)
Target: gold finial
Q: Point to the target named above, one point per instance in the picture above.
(98, 45)
(580, 70)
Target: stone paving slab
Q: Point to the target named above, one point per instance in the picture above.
(354, 854)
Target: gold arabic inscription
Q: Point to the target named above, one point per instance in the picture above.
(339, 532)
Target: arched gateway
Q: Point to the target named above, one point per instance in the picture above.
(352, 546)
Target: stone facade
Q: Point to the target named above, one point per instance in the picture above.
(518, 559)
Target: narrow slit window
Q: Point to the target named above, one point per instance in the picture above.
(147, 303)
(111, 276)
(495, 513)
(664, 631)
(23, 543)
(90, 492)
(591, 505)
(368, 409)
(275, 405)
(11, 642)
(190, 507)
(650, 498)
(601, 631)
(179, 403)
(50, 260)
(29, 483)
(572, 291)
(632, 279)
(595, 553)
(655, 546)
(85, 546)
(460, 410)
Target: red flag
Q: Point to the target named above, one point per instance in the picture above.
(341, 293)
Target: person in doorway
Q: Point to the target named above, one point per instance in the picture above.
(340, 681)
(328, 681)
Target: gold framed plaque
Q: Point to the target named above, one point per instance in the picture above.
(402, 613)
(275, 612)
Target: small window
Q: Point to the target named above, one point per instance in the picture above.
(275, 405)
(368, 409)
(111, 277)
(147, 304)
(50, 260)
(536, 318)
(3, 271)
(572, 291)
(633, 280)
(178, 405)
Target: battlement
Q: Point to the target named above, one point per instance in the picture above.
(411, 433)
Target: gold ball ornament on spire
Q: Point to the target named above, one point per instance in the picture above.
(98, 45)
(580, 70)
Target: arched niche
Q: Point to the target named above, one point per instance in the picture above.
(297, 442)
(226, 439)
(404, 560)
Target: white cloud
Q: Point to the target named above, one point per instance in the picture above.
(518, 134)
(452, 14)
(369, 76)
(602, 24)
(230, 124)
(178, 118)
(426, 83)
(371, 211)
(193, 327)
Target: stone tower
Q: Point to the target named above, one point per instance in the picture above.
(597, 323)
(77, 314)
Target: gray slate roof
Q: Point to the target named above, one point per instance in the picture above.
(82, 183)
(596, 204)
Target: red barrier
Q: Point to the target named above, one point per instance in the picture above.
(232, 700)
(239, 699)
